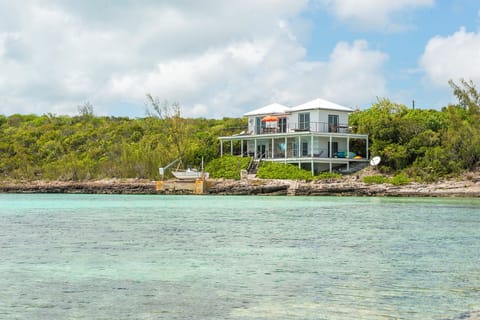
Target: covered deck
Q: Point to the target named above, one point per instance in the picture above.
(315, 151)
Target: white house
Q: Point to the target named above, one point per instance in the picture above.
(315, 135)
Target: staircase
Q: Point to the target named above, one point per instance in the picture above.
(254, 165)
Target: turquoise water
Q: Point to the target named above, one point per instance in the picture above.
(195, 257)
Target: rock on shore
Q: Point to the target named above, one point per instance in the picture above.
(346, 186)
(113, 186)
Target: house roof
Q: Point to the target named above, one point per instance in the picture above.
(320, 104)
(274, 108)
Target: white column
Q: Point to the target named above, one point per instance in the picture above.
(241, 147)
(330, 151)
(367, 148)
(311, 146)
(273, 148)
(348, 146)
(221, 148)
(299, 147)
(348, 153)
(286, 149)
(311, 153)
(231, 147)
(255, 150)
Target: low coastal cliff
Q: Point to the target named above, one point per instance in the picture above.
(346, 186)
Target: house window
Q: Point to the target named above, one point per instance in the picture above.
(332, 123)
(282, 124)
(259, 125)
(304, 121)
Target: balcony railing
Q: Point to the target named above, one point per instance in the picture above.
(311, 127)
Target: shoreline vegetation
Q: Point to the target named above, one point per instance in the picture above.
(423, 152)
(353, 185)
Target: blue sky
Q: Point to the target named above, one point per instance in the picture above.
(222, 58)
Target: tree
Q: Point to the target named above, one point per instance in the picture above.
(467, 95)
(86, 109)
(177, 129)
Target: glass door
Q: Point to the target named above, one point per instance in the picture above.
(332, 123)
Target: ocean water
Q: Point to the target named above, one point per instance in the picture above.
(219, 257)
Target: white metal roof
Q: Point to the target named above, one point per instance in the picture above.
(274, 108)
(320, 104)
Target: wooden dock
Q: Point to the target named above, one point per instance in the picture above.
(198, 186)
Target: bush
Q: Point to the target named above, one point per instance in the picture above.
(328, 175)
(400, 180)
(275, 170)
(227, 167)
(375, 179)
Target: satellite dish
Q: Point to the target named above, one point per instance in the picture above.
(375, 161)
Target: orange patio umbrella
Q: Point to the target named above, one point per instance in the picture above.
(269, 119)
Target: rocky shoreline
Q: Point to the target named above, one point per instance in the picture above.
(114, 186)
(345, 186)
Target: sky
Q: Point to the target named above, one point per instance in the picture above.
(222, 58)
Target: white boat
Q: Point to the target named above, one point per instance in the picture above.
(190, 174)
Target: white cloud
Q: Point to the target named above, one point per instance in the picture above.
(227, 82)
(372, 14)
(452, 57)
(216, 58)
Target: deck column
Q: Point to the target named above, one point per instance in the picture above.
(241, 147)
(286, 149)
(367, 147)
(311, 153)
(221, 148)
(311, 146)
(348, 153)
(255, 149)
(299, 147)
(273, 148)
(330, 152)
(231, 147)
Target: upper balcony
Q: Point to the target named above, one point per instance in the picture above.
(323, 127)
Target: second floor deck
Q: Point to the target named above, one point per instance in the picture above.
(325, 127)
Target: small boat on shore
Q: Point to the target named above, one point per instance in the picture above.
(190, 174)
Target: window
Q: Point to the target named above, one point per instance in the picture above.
(282, 124)
(304, 121)
(332, 123)
(259, 125)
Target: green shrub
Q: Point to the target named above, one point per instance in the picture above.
(400, 179)
(275, 170)
(375, 179)
(227, 167)
(328, 175)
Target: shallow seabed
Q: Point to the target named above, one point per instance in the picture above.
(195, 257)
